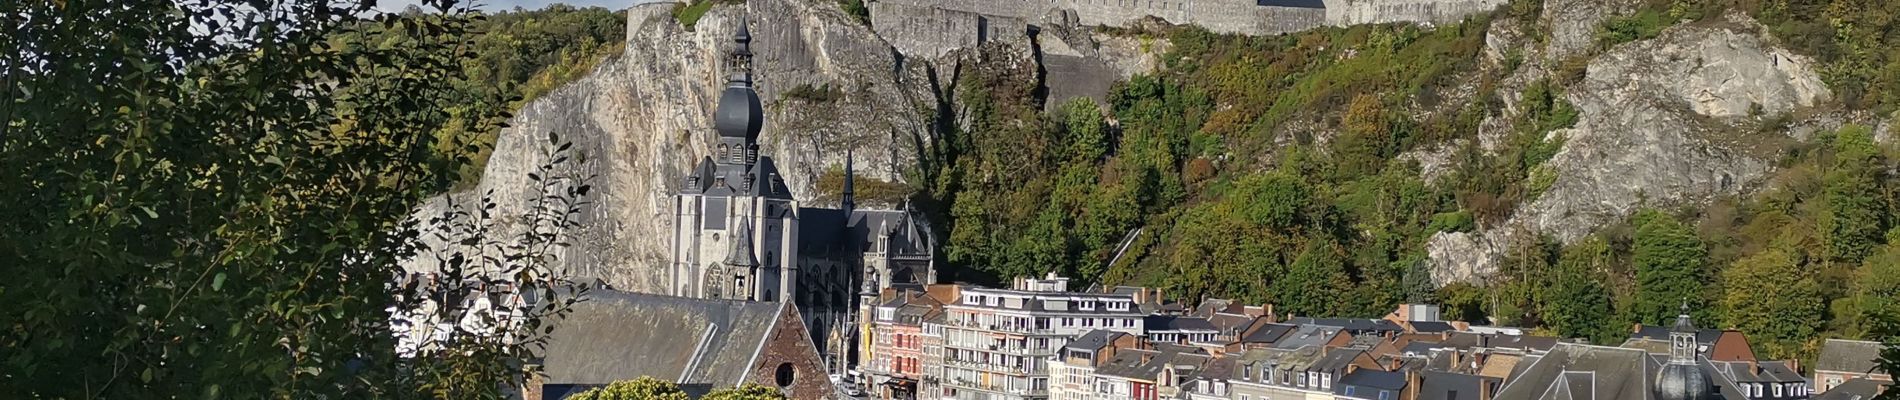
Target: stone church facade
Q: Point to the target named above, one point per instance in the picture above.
(740, 234)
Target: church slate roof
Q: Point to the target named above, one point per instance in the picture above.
(1855, 356)
(612, 336)
(1582, 372)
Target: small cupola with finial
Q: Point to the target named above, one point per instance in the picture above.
(740, 116)
(1682, 378)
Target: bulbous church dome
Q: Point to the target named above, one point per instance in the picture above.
(740, 115)
(1684, 382)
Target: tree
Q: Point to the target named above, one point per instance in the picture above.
(642, 388)
(1853, 223)
(1669, 267)
(750, 391)
(1877, 287)
(206, 199)
(1577, 304)
(1772, 298)
(1314, 282)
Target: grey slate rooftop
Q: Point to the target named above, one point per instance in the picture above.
(612, 336)
(1435, 385)
(1580, 372)
(1857, 389)
(1855, 356)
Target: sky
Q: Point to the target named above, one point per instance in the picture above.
(500, 5)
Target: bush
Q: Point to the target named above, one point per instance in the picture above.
(1452, 221)
(815, 94)
(857, 10)
(689, 13)
(1643, 25)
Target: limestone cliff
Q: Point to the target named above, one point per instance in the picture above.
(1659, 125)
(644, 117)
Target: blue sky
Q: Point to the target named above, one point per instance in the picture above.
(498, 5)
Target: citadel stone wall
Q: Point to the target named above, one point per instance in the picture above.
(933, 31)
(1354, 12)
(1226, 16)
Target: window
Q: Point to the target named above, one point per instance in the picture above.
(1349, 390)
(1385, 395)
(1777, 390)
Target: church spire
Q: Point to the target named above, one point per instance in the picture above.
(740, 116)
(741, 253)
(849, 199)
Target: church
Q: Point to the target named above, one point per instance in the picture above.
(740, 234)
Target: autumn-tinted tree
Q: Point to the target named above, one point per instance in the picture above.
(1774, 299)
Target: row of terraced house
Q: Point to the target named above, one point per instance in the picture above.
(1040, 340)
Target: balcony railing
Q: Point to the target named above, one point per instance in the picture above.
(993, 367)
(967, 384)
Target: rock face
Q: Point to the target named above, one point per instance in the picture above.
(643, 118)
(1651, 113)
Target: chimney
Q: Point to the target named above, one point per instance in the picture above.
(1413, 382)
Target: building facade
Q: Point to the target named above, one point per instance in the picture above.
(998, 344)
(740, 234)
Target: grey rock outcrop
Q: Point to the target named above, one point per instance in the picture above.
(1654, 130)
(643, 118)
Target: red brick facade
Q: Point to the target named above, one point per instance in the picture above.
(788, 354)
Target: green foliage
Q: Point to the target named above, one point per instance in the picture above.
(1669, 267)
(824, 93)
(208, 201)
(750, 391)
(642, 388)
(1314, 282)
(1452, 221)
(1578, 304)
(857, 10)
(514, 57)
(689, 13)
(1771, 297)
(1645, 24)
(1856, 212)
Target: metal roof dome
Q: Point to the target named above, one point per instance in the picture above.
(740, 114)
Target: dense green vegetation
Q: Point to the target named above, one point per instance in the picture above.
(647, 388)
(515, 57)
(208, 200)
(1264, 169)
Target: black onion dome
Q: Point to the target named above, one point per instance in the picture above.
(740, 114)
(1684, 382)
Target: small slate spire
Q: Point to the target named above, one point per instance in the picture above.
(849, 199)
